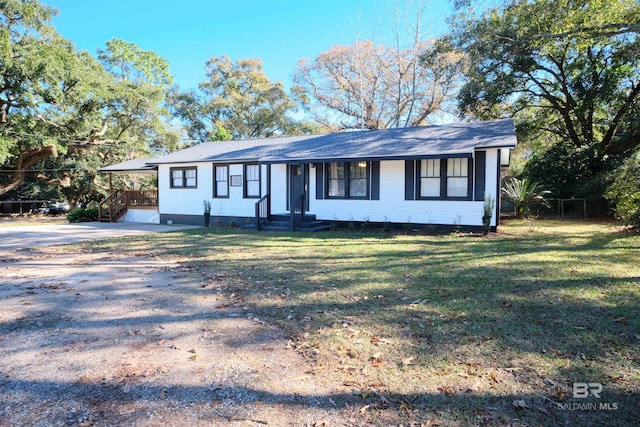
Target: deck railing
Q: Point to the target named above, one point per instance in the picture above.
(297, 210)
(115, 205)
(142, 197)
(262, 211)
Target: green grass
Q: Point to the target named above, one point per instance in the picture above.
(28, 220)
(447, 327)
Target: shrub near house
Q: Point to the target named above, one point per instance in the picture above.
(83, 215)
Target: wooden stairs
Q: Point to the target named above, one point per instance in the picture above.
(282, 222)
(115, 205)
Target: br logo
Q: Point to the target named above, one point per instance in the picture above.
(584, 390)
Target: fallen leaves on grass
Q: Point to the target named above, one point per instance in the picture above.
(306, 349)
(617, 378)
(520, 404)
(545, 411)
(347, 351)
(239, 418)
(405, 406)
(446, 390)
(376, 360)
(408, 361)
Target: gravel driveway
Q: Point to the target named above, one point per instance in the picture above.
(16, 237)
(129, 338)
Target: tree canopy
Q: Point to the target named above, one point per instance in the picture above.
(371, 86)
(63, 113)
(236, 101)
(571, 66)
(567, 70)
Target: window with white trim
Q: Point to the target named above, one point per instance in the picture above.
(457, 177)
(358, 179)
(348, 180)
(251, 181)
(335, 179)
(184, 177)
(221, 185)
(429, 170)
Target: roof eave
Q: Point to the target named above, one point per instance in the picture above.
(182, 162)
(369, 158)
(486, 147)
(147, 170)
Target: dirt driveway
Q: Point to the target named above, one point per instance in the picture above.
(38, 235)
(107, 339)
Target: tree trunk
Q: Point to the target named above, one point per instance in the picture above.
(25, 161)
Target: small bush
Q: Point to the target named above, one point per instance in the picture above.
(571, 172)
(625, 193)
(524, 194)
(487, 212)
(83, 215)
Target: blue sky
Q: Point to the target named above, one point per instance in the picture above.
(189, 32)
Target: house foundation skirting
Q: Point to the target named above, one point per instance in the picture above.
(199, 220)
(238, 221)
(435, 228)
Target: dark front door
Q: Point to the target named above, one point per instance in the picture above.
(298, 183)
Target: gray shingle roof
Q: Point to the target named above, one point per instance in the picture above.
(135, 165)
(221, 151)
(455, 139)
(406, 143)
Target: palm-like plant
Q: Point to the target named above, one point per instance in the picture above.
(524, 194)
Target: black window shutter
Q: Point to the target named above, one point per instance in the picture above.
(319, 181)
(470, 178)
(498, 186)
(443, 178)
(409, 180)
(375, 180)
(480, 174)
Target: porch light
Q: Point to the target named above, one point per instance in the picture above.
(362, 164)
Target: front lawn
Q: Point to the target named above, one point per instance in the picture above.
(447, 330)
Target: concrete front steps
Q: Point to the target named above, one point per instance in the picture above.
(282, 222)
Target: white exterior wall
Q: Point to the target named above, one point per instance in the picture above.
(279, 189)
(189, 201)
(491, 177)
(145, 216)
(184, 201)
(391, 207)
(235, 204)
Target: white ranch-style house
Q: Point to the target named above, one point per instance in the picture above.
(432, 175)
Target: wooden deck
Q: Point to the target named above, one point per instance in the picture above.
(115, 205)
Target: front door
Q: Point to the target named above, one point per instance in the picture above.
(298, 183)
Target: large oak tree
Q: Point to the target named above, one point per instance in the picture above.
(569, 70)
(64, 113)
